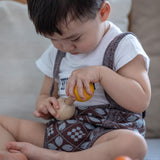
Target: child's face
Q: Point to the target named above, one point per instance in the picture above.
(79, 37)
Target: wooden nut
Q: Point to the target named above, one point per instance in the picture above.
(66, 111)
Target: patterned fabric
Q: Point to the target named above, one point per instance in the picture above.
(90, 122)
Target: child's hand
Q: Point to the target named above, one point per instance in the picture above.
(47, 108)
(82, 78)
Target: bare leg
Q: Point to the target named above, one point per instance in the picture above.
(12, 129)
(107, 147)
(12, 156)
(33, 152)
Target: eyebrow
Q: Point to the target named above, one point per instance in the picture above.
(73, 36)
(70, 37)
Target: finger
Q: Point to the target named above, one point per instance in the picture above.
(80, 89)
(71, 86)
(44, 110)
(12, 146)
(14, 151)
(39, 114)
(47, 116)
(53, 102)
(87, 88)
(36, 114)
(51, 110)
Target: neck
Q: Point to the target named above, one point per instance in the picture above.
(106, 28)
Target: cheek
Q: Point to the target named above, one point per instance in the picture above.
(89, 44)
(56, 45)
(90, 41)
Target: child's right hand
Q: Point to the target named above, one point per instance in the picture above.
(47, 108)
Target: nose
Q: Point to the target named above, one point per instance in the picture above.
(67, 46)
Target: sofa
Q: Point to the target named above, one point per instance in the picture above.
(20, 46)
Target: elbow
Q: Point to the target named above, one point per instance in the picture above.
(143, 101)
(139, 103)
(142, 105)
(146, 100)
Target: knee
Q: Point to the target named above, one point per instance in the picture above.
(1, 119)
(135, 145)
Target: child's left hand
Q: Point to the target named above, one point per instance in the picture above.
(82, 78)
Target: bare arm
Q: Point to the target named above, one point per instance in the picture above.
(45, 105)
(45, 90)
(130, 86)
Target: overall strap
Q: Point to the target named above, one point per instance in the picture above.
(108, 61)
(57, 63)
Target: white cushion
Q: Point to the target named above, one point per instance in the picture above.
(120, 9)
(20, 46)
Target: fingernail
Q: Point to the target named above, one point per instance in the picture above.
(9, 146)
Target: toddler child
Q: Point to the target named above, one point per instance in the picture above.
(87, 48)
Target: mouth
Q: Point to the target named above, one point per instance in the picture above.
(74, 53)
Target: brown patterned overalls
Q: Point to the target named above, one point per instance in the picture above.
(90, 122)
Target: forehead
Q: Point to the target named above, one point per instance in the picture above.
(71, 27)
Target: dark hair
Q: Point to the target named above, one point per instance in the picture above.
(47, 15)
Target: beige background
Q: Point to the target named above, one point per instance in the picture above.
(145, 23)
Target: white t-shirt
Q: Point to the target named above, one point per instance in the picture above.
(128, 48)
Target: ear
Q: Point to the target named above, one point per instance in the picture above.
(105, 11)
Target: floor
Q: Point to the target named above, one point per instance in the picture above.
(153, 149)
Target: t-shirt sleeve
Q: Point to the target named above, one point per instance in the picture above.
(46, 62)
(127, 50)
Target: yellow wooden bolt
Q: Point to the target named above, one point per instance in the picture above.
(84, 93)
(123, 158)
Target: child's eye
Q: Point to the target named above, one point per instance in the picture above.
(75, 40)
